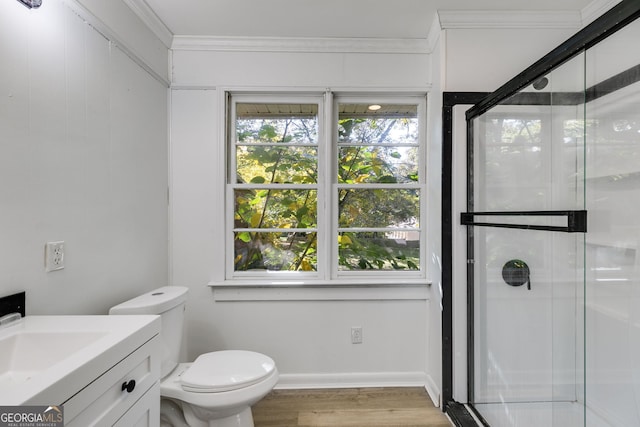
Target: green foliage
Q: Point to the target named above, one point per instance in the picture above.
(282, 159)
(378, 207)
(364, 158)
(367, 251)
(284, 151)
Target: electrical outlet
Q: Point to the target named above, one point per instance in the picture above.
(53, 256)
(356, 335)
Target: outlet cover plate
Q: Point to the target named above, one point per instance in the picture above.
(356, 335)
(54, 256)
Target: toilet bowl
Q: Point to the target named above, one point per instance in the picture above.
(218, 388)
(227, 384)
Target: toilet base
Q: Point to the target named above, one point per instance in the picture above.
(241, 419)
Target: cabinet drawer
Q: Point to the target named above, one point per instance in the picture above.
(104, 401)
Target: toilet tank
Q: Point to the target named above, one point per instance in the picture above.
(169, 303)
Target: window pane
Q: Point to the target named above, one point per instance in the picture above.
(379, 208)
(276, 143)
(264, 208)
(390, 124)
(375, 164)
(379, 251)
(275, 251)
(275, 164)
(379, 145)
(277, 123)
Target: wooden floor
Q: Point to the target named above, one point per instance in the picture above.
(358, 407)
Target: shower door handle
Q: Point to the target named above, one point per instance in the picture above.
(576, 220)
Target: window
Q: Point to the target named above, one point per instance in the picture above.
(378, 187)
(324, 188)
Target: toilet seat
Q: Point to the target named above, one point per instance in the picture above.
(221, 371)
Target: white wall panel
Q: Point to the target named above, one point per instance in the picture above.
(83, 158)
(135, 36)
(434, 227)
(311, 339)
(286, 69)
(195, 237)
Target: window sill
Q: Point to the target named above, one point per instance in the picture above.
(365, 290)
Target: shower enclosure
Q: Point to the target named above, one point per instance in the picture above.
(553, 228)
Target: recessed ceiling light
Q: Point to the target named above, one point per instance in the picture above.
(374, 107)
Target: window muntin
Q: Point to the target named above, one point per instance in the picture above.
(293, 214)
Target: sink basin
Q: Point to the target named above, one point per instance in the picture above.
(44, 359)
(24, 354)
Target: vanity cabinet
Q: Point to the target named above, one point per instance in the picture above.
(127, 394)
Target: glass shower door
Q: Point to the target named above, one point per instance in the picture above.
(554, 308)
(526, 255)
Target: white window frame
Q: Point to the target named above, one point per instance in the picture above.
(328, 272)
(420, 185)
(231, 185)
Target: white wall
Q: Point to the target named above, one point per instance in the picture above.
(192, 68)
(308, 338)
(133, 35)
(434, 223)
(83, 158)
(482, 59)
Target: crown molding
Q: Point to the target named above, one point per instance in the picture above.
(151, 20)
(305, 45)
(467, 19)
(434, 33)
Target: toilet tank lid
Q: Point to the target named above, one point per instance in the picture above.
(155, 302)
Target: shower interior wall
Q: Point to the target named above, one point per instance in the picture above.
(612, 249)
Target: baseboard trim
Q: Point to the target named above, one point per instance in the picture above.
(352, 380)
(433, 390)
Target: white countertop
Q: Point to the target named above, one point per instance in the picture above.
(65, 352)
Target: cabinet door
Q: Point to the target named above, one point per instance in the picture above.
(146, 411)
(105, 399)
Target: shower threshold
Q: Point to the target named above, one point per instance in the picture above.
(536, 414)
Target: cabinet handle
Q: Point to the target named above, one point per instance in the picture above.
(129, 386)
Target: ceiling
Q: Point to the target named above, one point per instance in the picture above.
(327, 18)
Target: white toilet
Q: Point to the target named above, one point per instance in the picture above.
(218, 388)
